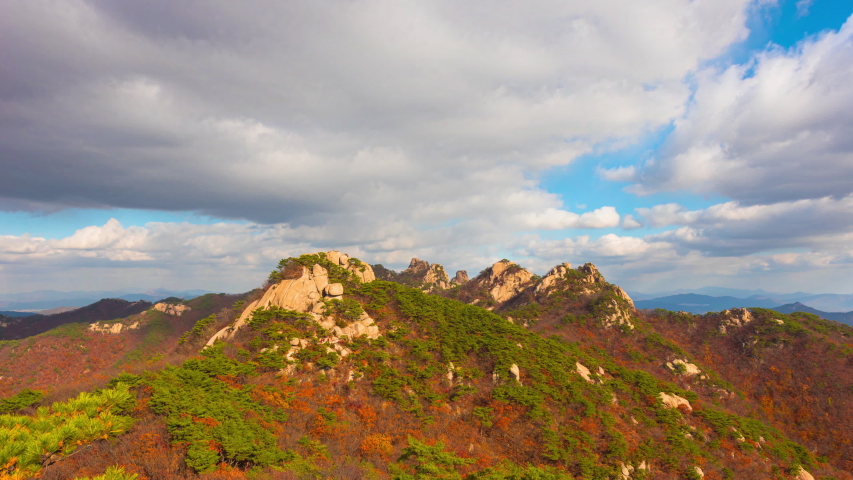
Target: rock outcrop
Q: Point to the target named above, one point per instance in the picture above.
(172, 309)
(616, 315)
(417, 267)
(625, 471)
(506, 280)
(802, 474)
(307, 294)
(583, 372)
(624, 295)
(515, 372)
(433, 275)
(683, 367)
(461, 278)
(437, 276)
(674, 401)
(736, 317)
(549, 281)
(591, 273)
(112, 328)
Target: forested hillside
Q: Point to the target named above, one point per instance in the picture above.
(327, 372)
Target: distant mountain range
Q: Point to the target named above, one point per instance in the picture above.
(843, 317)
(826, 302)
(695, 303)
(17, 303)
(106, 309)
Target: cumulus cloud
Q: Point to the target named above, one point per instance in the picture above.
(773, 130)
(554, 219)
(731, 228)
(310, 113)
(655, 263)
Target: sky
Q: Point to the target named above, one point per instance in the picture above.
(191, 145)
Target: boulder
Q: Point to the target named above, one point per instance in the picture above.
(334, 256)
(625, 471)
(334, 289)
(321, 277)
(699, 471)
(674, 401)
(515, 372)
(344, 259)
(583, 372)
(684, 366)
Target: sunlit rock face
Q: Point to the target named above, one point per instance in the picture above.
(306, 293)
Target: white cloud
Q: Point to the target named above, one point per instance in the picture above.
(630, 223)
(803, 7)
(555, 219)
(310, 113)
(775, 129)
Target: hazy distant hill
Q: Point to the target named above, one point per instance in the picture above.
(826, 302)
(106, 309)
(843, 317)
(694, 303)
(49, 299)
(6, 313)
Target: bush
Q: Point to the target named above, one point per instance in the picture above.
(22, 399)
(61, 428)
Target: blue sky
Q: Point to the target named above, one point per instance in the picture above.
(676, 144)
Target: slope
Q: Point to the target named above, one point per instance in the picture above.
(834, 316)
(329, 374)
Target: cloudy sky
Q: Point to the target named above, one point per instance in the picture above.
(674, 143)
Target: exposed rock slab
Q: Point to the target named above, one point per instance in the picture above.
(674, 401)
(171, 309)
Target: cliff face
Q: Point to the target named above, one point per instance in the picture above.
(310, 292)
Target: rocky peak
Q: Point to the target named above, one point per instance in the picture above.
(306, 293)
(460, 278)
(592, 274)
(417, 267)
(549, 281)
(421, 271)
(437, 276)
(506, 280)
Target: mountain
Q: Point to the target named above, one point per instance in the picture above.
(4, 313)
(50, 299)
(829, 302)
(695, 303)
(799, 307)
(329, 371)
(106, 309)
